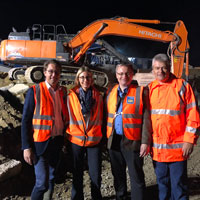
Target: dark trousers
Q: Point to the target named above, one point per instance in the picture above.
(94, 164)
(120, 158)
(45, 167)
(172, 180)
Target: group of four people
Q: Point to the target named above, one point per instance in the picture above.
(161, 119)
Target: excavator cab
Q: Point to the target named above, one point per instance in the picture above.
(38, 44)
(32, 48)
(48, 32)
(25, 52)
(40, 32)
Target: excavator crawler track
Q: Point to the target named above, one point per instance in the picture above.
(34, 74)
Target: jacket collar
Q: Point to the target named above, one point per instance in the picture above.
(170, 82)
(49, 86)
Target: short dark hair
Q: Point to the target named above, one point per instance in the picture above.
(54, 62)
(129, 65)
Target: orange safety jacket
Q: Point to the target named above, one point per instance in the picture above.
(43, 114)
(78, 132)
(175, 118)
(132, 112)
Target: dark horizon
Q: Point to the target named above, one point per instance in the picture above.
(76, 15)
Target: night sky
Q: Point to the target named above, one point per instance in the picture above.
(75, 15)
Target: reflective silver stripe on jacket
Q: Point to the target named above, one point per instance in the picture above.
(191, 105)
(165, 112)
(97, 121)
(173, 112)
(191, 129)
(43, 117)
(109, 124)
(37, 89)
(73, 122)
(168, 146)
(132, 125)
(37, 111)
(71, 119)
(182, 90)
(90, 139)
(136, 115)
(137, 100)
(42, 127)
(181, 95)
(137, 107)
(111, 115)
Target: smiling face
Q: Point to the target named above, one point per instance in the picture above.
(85, 80)
(160, 70)
(52, 75)
(124, 75)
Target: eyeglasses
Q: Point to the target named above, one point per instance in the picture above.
(85, 77)
(52, 71)
(125, 74)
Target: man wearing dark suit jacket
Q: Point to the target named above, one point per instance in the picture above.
(43, 124)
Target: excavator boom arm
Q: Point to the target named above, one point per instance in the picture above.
(126, 28)
(120, 28)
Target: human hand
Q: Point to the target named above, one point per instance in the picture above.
(29, 156)
(187, 149)
(144, 150)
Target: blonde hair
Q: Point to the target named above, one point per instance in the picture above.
(81, 70)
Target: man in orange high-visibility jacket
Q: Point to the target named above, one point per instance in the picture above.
(175, 123)
(43, 125)
(128, 138)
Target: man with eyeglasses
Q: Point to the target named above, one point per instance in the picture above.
(175, 122)
(128, 132)
(44, 122)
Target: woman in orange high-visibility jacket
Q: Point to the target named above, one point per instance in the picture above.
(85, 108)
(175, 122)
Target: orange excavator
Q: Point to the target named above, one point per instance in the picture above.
(70, 49)
(179, 45)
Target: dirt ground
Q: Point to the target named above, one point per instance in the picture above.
(19, 187)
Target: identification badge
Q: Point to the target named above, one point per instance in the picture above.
(130, 100)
